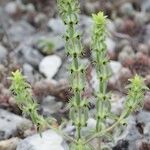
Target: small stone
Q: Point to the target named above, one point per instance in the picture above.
(12, 8)
(11, 124)
(28, 72)
(119, 24)
(140, 18)
(126, 56)
(40, 18)
(91, 7)
(143, 117)
(111, 26)
(111, 45)
(147, 102)
(29, 55)
(56, 25)
(122, 44)
(143, 145)
(115, 66)
(124, 75)
(10, 144)
(143, 48)
(20, 30)
(49, 106)
(127, 9)
(117, 105)
(147, 35)
(145, 5)
(50, 65)
(49, 140)
(130, 27)
(3, 53)
(30, 8)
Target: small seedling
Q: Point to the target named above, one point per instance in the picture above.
(46, 46)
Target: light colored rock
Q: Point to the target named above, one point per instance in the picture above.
(111, 45)
(11, 8)
(50, 65)
(145, 5)
(28, 72)
(117, 104)
(49, 141)
(127, 9)
(11, 124)
(10, 144)
(140, 18)
(20, 30)
(40, 18)
(49, 106)
(126, 54)
(111, 26)
(115, 66)
(29, 55)
(56, 25)
(119, 24)
(30, 7)
(94, 81)
(3, 53)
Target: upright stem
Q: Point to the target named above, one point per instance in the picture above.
(99, 53)
(78, 106)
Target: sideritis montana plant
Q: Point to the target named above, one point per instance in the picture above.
(78, 105)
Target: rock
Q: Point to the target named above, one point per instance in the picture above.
(111, 45)
(130, 27)
(40, 19)
(126, 56)
(140, 18)
(50, 65)
(91, 7)
(143, 145)
(29, 55)
(122, 44)
(29, 8)
(11, 124)
(137, 130)
(3, 53)
(119, 24)
(147, 101)
(145, 5)
(147, 35)
(115, 66)
(111, 26)
(126, 9)
(12, 8)
(49, 106)
(28, 72)
(117, 103)
(56, 25)
(143, 48)
(10, 144)
(50, 140)
(20, 30)
(143, 117)
(121, 145)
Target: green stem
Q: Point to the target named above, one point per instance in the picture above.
(108, 129)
